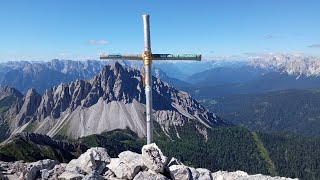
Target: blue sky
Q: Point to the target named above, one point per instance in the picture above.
(81, 29)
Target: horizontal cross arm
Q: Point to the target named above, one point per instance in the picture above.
(192, 57)
(122, 57)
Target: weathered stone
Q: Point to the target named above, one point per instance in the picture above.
(153, 158)
(94, 175)
(122, 169)
(194, 173)
(108, 174)
(204, 174)
(99, 154)
(180, 172)
(33, 169)
(174, 161)
(92, 159)
(148, 175)
(53, 173)
(131, 157)
(45, 174)
(70, 176)
(133, 161)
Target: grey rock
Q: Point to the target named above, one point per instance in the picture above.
(204, 174)
(180, 172)
(122, 170)
(108, 174)
(142, 175)
(45, 174)
(33, 169)
(153, 158)
(94, 175)
(92, 159)
(174, 161)
(133, 162)
(194, 173)
(70, 176)
(29, 108)
(53, 173)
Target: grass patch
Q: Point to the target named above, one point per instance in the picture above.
(265, 154)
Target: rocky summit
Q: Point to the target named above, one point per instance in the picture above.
(96, 164)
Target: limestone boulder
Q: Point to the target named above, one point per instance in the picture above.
(94, 159)
(53, 173)
(180, 172)
(33, 169)
(153, 158)
(174, 161)
(204, 174)
(123, 169)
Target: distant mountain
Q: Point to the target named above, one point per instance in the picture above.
(226, 75)
(223, 82)
(24, 75)
(111, 100)
(294, 65)
(287, 111)
(183, 69)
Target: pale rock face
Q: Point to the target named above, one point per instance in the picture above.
(118, 168)
(153, 158)
(92, 159)
(126, 166)
(180, 172)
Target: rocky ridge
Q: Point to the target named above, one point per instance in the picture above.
(114, 99)
(96, 164)
(295, 65)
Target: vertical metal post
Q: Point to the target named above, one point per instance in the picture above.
(147, 59)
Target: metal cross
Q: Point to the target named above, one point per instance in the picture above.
(147, 58)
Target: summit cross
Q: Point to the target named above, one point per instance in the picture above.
(147, 58)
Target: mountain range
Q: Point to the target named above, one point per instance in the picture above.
(108, 110)
(113, 99)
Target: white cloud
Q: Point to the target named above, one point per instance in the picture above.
(98, 42)
(314, 46)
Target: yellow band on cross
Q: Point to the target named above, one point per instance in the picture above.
(147, 57)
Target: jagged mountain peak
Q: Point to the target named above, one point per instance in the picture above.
(113, 99)
(8, 91)
(297, 65)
